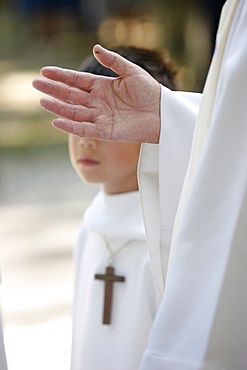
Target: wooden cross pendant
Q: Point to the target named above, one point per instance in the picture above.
(109, 279)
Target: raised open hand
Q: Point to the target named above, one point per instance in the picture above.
(126, 108)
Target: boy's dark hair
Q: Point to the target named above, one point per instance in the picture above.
(157, 63)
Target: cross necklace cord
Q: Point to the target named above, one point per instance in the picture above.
(109, 278)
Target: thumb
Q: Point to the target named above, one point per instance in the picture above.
(114, 61)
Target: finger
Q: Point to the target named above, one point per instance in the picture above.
(69, 77)
(82, 129)
(69, 111)
(115, 62)
(62, 92)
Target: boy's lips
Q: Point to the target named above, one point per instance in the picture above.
(87, 161)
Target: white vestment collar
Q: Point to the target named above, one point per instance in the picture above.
(116, 216)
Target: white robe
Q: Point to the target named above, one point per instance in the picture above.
(201, 323)
(119, 345)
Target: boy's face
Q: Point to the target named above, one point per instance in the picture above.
(112, 164)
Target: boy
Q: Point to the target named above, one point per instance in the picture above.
(110, 332)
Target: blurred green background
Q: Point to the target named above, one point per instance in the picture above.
(35, 33)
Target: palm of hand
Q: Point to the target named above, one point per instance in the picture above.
(124, 109)
(119, 109)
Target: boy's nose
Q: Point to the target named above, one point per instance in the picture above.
(88, 142)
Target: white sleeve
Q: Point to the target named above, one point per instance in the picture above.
(175, 142)
(178, 116)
